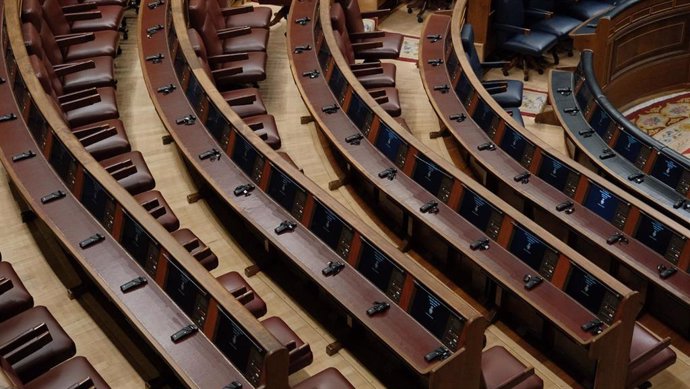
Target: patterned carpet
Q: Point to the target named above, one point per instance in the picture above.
(667, 119)
(532, 102)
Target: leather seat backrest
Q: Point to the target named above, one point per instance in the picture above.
(467, 38)
(197, 13)
(43, 76)
(38, 33)
(32, 12)
(216, 15)
(343, 42)
(338, 18)
(353, 16)
(200, 50)
(55, 17)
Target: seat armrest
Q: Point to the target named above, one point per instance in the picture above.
(5, 285)
(299, 351)
(239, 291)
(225, 72)
(233, 32)
(366, 46)
(494, 64)
(151, 204)
(97, 136)
(245, 297)
(73, 39)
(86, 383)
(77, 95)
(364, 35)
(241, 100)
(81, 7)
(90, 130)
(261, 134)
(28, 348)
(538, 14)
(236, 10)
(73, 17)
(649, 354)
(365, 65)
(73, 67)
(494, 89)
(381, 99)
(375, 14)
(23, 338)
(514, 381)
(367, 72)
(377, 93)
(256, 126)
(80, 103)
(511, 28)
(223, 58)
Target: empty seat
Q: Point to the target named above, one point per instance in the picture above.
(154, 203)
(197, 248)
(66, 375)
(265, 127)
(250, 16)
(226, 71)
(104, 139)
(130, 171)
(22, 331)
(329, 378)
(369, 74)
(77, 106)
(95, 71)
(245, 102)
(238, 287)
(76, 46)
(499, 367)
(391, 42)
(388, 99)
(300, 352)
(648, 356)
(62, 20)
(205, 17)
(14, 298)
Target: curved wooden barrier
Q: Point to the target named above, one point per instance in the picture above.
(324, 232)
(448, 236)
(560, 195)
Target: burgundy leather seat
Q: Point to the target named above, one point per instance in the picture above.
(197, 248)
(59, 346)
(14, 298)
(155, 204)
(130, 171)
(300, 352)
(104, 139)
(329, 378)
(500, 367)
(83, 112)
(82, 45)
(65, 375)
(203, 14)
(250, 16)
(388, 99)
(265, 127)
(242, 68)
(121, 3)
(648, 356)
(238, 287)
(99, 75)
(245, 102)
(104, 17)
(385, 72)
(391, 42)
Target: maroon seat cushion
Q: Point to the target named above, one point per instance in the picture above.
(99, 76)
(233, 281)
(130, 171)
(255, 40)
(499, 367)
(104, 139)
(155, 204)
(253, 70)
(329, 378)
(642, 342)
(111, 17)
(15, 300)
(197, 248)
(265, 127)
(67, 374)
(380, 80)
(103, 110)
(245, 108)
(300, 353)
(259, 17)
(59, 349)
(392, 106)
(104, 43)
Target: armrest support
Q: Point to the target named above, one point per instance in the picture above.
(366, 46)
(375, 14)
(5, 285)
(72, 68)
(511, 28)
(28, 348)
(365, 65)
(245, 297)
(365, 35)
(236, 10)
(199, 255)
(256, 126)
(82, 132)
(80, 103)
(124, 172)
(225, 72)
(261, 133)
(81, 7)
(151, 204)
(538, 14)
(233, 32)
(73, 17)
(377, 93)
(97, 137)
(299, 351)
(73, 39)
(77, 95)
(23, 338)
(223, 58)
(239, 291)
(367, 72)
